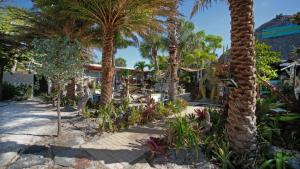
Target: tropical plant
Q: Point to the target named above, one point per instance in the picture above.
(173, 51)
(106, 117)
(140, 66)
(182, 104)
(149, 113)
(52, 19)
(270, 131)
(279, 161)
(151, 45)
(12, 50)
(241, 127)
(120, 62)
(60, 60)
(161, 110)
(265, 57)
(201, 113)
(218, 120)
(224, 154)
(124, 17)
(173, 107)
(157, 146)
(135, 116)
(181, 135)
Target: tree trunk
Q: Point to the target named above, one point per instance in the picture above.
(1, 82)
(154, 57)
(173, 66)
(58, 112)
(241, 128)
(71, 90)
(107, 67)
(173, 74)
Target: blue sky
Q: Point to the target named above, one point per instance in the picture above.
(213, 20)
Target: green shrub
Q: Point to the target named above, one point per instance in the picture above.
(181, 134)
(9, 91)
(20, 92)
(46, 98)
(135, 116)
(217, 119)
(181, 104)
(162, 110)
(278, 161)
(106, 116)
(223, 154)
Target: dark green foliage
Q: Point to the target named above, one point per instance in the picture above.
(20, 92)
(278, 161)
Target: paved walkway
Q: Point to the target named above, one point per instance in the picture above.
(121, 150)
(23, 124)
(31, 123)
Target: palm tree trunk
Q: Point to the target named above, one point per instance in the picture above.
(107, 67)
(58, 112)
(173, 73)
(173, 59)
(241, 128)
(154, 58)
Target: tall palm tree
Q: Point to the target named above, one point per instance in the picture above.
(119, 16)
(241, 128)
(173, 51)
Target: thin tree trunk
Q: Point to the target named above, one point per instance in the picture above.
(58, 113)
(71, 90)
(154, 57)
(241, 128)
(1, 82)
(107, 67)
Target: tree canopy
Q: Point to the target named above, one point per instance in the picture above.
(59, 58)
(265, 57)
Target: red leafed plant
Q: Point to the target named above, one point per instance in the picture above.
(157, 146)
(148, 114)
(201, 113)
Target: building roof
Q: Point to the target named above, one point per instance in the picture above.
(98, 67)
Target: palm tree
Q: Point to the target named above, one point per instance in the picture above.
(140, 66)
(51, 19)
(152, 43)
(241, 128)
(119, 16)
(173, 49)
